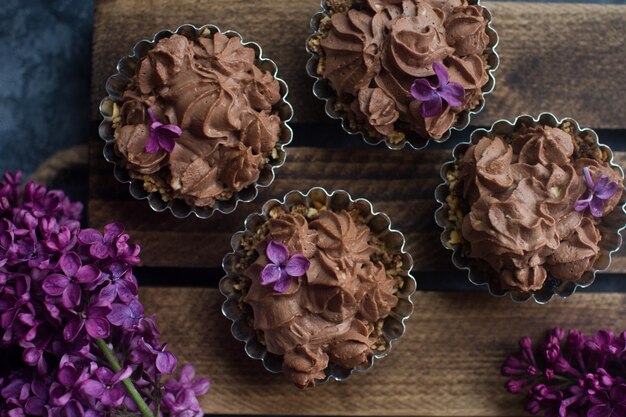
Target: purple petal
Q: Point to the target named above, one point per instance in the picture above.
(588, 178)
(92, 388)
(35, 406)
(31, 356)
(297, 265)
(581, 205)
(432, 107)
(123, 373)
(99, 250)
(89, 236)
(72, 329)
(600, 184)
(277, 252)
(71, 296)
(119, 314)
(87, 274)
(98, 311)
(126, 290)
(201, 386)
(152, 144)
(112, 230)
(600, 410)
(170, 131)
(73, 409)
(608, 191)
(69, 263)
(452, 93)
(113, 397)
(151, 115)
(166, 143)
(98, 328)
(107, 294)
(282, 284)
(187, 373)
(441, 72)
(104, 374)
(136, 309)
(596, 207)
(271, 273)
(421, 90)
(618, 394)
(166, 362)
(67, 376)
(55, 284)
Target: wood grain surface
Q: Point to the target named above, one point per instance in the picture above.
(447, 363)
(551, 54)
(400, 184)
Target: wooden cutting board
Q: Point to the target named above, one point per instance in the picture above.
(564, 58)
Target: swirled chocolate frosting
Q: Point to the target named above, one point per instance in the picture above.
(223, 103)
(328, 315)
(521, 197)
(375, 50)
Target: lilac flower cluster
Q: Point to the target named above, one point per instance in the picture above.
(74, 340)
(571, 376)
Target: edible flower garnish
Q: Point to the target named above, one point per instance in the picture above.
(433, 94)
(598, 193)
(283, 267)
(162, 136)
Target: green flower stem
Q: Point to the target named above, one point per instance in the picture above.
(128, 384)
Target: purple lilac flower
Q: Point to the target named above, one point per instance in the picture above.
(597, 194)
(433, 93)
(180, 396)
(570, 376)
(68, 284)
(127, 316)
(68, 307)
(106, 386)
(282, 267)
(162, 136)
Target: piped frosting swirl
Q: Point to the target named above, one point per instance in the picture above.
(521, 197)
(224, 104)
(328, 314)
(374, 52)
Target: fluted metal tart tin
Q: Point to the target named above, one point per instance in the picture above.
(610, 227)
(324, 91)
(115, 87)
(379, 224)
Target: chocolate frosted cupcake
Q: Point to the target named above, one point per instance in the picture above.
(535, 207)
(319, 290)
(403, 70)
(201, 119)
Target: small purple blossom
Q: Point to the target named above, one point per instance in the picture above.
(282, 267)
(597, 194)
(572, 376)
(106, 386)
(162, 136)
(432, 93)
(126, 316)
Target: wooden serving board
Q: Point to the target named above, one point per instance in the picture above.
(447, 364)
(564, 58)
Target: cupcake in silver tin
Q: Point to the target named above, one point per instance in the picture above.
(195, 120)
(402, 72)
(317, 286)
(532, 208)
